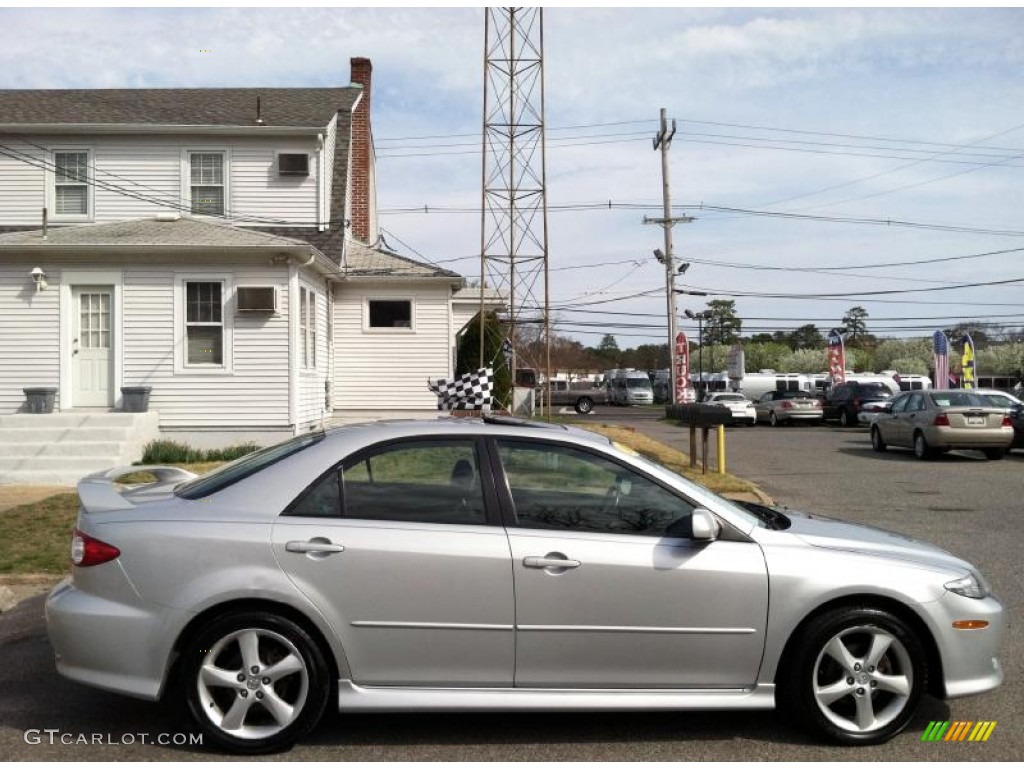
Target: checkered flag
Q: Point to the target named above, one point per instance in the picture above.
(470, 391)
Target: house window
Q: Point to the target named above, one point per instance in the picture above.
(204, 323)
(390, 313)
(71, 183)
(206, 171)
(307, 326)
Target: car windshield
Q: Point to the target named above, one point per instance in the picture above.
(793, 394)
(955, 399)
(875, 389)
(231, 473)
(638, 382)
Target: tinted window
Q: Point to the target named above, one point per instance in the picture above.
(561, 488)
(900, 404)
(247, 465)
(794, 394)
(322, 500)
(435, 481)
(1000, 401)
(947, 399)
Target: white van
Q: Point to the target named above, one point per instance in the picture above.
(631, 387)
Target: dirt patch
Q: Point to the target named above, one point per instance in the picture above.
(17, 587)
(16, 495)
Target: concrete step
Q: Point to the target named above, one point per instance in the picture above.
(72, 420)
(11, 435)
(74, 446)
(41, 477)
(69, 464)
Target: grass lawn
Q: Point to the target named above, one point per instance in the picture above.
(36, 537)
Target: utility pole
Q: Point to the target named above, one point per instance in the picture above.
(663, 141)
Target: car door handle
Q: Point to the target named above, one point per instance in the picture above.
(319, 546)
(536, 561)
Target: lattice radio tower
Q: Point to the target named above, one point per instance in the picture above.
(514, 214)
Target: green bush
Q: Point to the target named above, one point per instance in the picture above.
(170, 452)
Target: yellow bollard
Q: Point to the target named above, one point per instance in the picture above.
(721, 449)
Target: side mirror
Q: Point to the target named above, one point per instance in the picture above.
(705, 526)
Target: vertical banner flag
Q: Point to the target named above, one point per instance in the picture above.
(941, 346)
(968, 363)
(836, 357)
(684, 393)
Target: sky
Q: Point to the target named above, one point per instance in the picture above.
(835, 140)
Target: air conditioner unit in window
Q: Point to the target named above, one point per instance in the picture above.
(257, 298)
(293, 164)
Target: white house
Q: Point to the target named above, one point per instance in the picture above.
(218, 246)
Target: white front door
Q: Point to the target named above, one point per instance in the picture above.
(91, 342)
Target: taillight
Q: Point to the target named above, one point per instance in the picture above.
(786, 405)
(1007, 421)
(86, 551)
(942, 420)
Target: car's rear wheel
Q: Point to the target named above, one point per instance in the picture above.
(844, 418)
(857, 676)
(921, 448)
(773, 419)
(254, 682)
(994, 454)
(877, 442)
(584, 405)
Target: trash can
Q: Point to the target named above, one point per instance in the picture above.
(40, 399)
(135, 399)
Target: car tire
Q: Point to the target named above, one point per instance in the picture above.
(284, 688)
(921, 449)
(874, 649)
(994, 454)
(773, 419)
(877, 442)
(584, 405)
(844, 418)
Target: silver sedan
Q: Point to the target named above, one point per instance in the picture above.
(788, 406)
(459, 564)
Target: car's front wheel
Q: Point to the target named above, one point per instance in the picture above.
(773, 419)
(254, 682)
(994, 454)
(584, 405)
(877, 442)
(921, 448)
(844, 418)
(857, 675)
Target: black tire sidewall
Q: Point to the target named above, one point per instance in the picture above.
(316, 667)
(584, 405)
(798, 687)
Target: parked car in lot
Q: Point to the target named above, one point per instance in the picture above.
(939, 420)
(845, 401)
(1013, 407)
(582, 396)
(739, 406)
(460, 565)
(631, 387)
(788, 406)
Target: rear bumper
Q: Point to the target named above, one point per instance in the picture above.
(106, 644)
(947, 437)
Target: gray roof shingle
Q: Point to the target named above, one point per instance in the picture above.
(363, 261)
(285, 107)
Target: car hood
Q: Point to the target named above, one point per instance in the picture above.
(830, 533)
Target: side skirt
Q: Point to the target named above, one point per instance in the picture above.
(357, 698)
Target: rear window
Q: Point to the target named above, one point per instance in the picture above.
(793, 394)
(231, 473)
(955, 399)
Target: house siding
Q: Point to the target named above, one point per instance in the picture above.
(254, 395)
(375, 369)
(29, 342)
(139, 176)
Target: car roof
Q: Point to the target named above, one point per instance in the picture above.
(385, 429)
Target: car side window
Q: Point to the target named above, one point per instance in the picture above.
(429, 481)
(557, 487)
(899, 405)
(915, 403)
(322, 500)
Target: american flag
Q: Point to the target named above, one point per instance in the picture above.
(941, 346)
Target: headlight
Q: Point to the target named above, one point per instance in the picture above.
(972, 585)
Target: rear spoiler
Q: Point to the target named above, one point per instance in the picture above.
(98, 494)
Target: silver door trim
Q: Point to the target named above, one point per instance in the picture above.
(653, 630)
(358, 698)
(429, 625)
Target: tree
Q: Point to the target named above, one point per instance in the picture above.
(854, 326)
(806, 337)
(467, 356)
(721, 326)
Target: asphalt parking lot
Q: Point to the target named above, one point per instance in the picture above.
(961, 502)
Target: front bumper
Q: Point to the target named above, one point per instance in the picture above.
(970, 657)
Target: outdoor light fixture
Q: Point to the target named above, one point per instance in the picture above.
(39, 278)
(683, 267)
(659, 255)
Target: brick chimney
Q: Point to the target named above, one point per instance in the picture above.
(363, 203)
